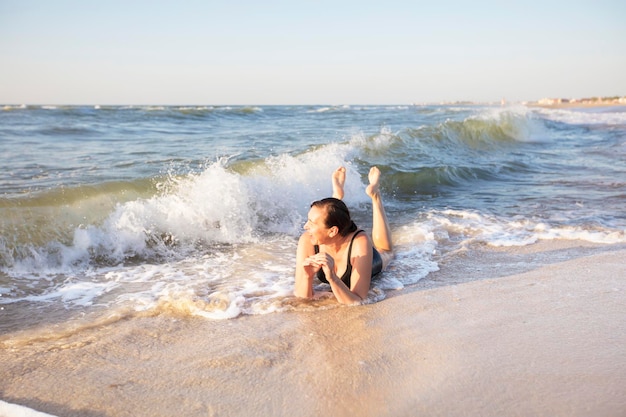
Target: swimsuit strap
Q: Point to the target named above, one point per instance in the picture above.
(350, 248)
(317, 247)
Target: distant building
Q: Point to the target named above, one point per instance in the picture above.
(551, 101)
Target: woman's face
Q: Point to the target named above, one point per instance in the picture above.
(316, 226)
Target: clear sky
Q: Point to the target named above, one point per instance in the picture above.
(308, 52)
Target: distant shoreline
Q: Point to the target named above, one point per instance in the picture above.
(543, 103)
(577, 103)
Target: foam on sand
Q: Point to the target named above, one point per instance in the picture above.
(14, 410)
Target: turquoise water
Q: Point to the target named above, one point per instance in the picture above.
(115, 211)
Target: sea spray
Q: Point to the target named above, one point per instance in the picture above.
(195, 211)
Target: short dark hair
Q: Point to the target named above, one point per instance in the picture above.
(337, 214)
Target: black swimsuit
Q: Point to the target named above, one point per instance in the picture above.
(377, 264)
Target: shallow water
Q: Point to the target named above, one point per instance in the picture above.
(110, 212)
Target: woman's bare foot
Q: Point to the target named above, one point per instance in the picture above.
(374, 178)
(381, 233)
(339, 179)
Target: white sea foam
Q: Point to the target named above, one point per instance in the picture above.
(250, 279)
(330, 109)
(220, 241)
(75, 294)
(215, 206)
(414, 247)
(376, 143)
(465, 227)
(592, 116)
(14, 107)
(212, 234)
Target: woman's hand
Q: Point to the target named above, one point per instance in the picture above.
(321, 260)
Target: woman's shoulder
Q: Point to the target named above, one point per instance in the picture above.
(305, 244)
(360, 234)
(304, 238)
(360, 240)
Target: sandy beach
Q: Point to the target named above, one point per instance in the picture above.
(530, 331)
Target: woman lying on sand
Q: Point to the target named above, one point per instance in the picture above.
(332, 242)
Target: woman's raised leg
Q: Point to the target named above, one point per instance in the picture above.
(381, 233)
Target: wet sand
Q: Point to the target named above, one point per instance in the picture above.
(538, 330)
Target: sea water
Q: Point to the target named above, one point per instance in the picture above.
(110, 212)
